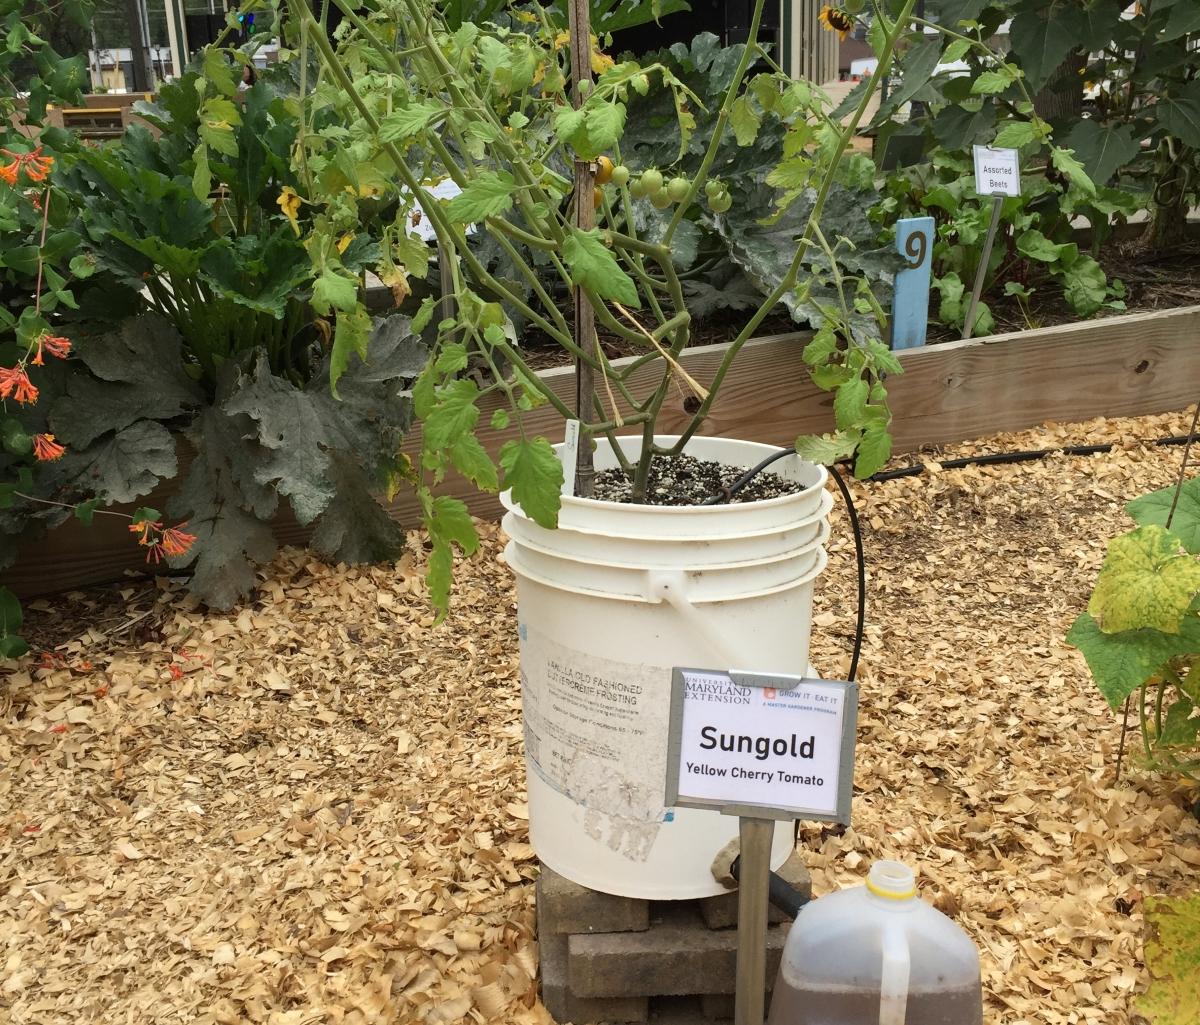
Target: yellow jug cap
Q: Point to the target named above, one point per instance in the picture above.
(892, 879)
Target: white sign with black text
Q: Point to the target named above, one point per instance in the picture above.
(997, 171)
(765, 745)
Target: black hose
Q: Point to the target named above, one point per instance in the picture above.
(999, 458)
(781, 893)
(727, 494)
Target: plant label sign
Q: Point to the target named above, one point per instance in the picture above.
(570, 456)
(761, 745)
(997, 171)
(910, 295)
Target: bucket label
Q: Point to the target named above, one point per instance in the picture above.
(595, 731)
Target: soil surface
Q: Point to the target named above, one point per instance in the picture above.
(684, 480)
(311, 810)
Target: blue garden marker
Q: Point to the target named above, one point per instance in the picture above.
(910, 300)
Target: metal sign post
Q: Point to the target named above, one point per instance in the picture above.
(764, 748)
(997, 174)
(981, 273)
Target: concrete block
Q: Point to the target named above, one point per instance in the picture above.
(564, 1006)
(677, 955)
(720, 912)
(566, 907)
(717, 1006)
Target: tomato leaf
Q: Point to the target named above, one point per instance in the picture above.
(534, 474)
(486, 196)
(594, 266)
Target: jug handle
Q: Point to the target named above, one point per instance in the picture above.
(893, 983)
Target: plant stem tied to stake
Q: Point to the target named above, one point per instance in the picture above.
(585, 219)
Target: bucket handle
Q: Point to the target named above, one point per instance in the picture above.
(893, 982)
(671, 586)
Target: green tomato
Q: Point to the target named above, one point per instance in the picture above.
(712, 187)
(677, 188)
(853, 6)
(721, 202)
(652, 181)
(620, 175)
(661, 199)
(637, 188)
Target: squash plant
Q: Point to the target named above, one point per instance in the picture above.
(1141, 631)
(493, 108)
(222, 341)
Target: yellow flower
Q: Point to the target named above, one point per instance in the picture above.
(561, 40)
(289, 203)
(601, 62)
(834, 19)
(526, 17)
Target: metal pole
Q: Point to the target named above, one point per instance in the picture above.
(173, 39)
(753, 880)
(997, 203)
(585, 219)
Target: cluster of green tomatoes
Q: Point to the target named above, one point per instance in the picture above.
(651, 185)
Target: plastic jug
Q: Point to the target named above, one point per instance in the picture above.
(877, 955)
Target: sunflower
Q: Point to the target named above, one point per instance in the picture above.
(834, 19)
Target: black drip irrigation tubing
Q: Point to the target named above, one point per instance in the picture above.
(999, 458)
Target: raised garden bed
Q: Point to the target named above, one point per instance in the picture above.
(1130, 365)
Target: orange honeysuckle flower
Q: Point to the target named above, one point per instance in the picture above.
(46, 449)
(37, 167)
(147, 530)
(176, 542)
(56, 345)
(15, 382)
(154, 553)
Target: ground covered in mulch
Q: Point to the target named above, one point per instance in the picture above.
(312, 810)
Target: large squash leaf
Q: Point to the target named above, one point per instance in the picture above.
(1147, 581)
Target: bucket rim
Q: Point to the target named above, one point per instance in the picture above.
(824, 529)
(824, 508)
(730, 508)
(809, 576)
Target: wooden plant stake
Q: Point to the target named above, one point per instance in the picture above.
(585, 219)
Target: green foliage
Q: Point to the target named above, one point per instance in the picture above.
(1147, 581)
(1172, 956)
(1035, 250)
(758, 170)
(12, 645)
(1180, 505)
(1141, 633)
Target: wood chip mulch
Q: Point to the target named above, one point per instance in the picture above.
(311, 811)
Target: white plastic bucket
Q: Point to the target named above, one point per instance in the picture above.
(607, 605)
